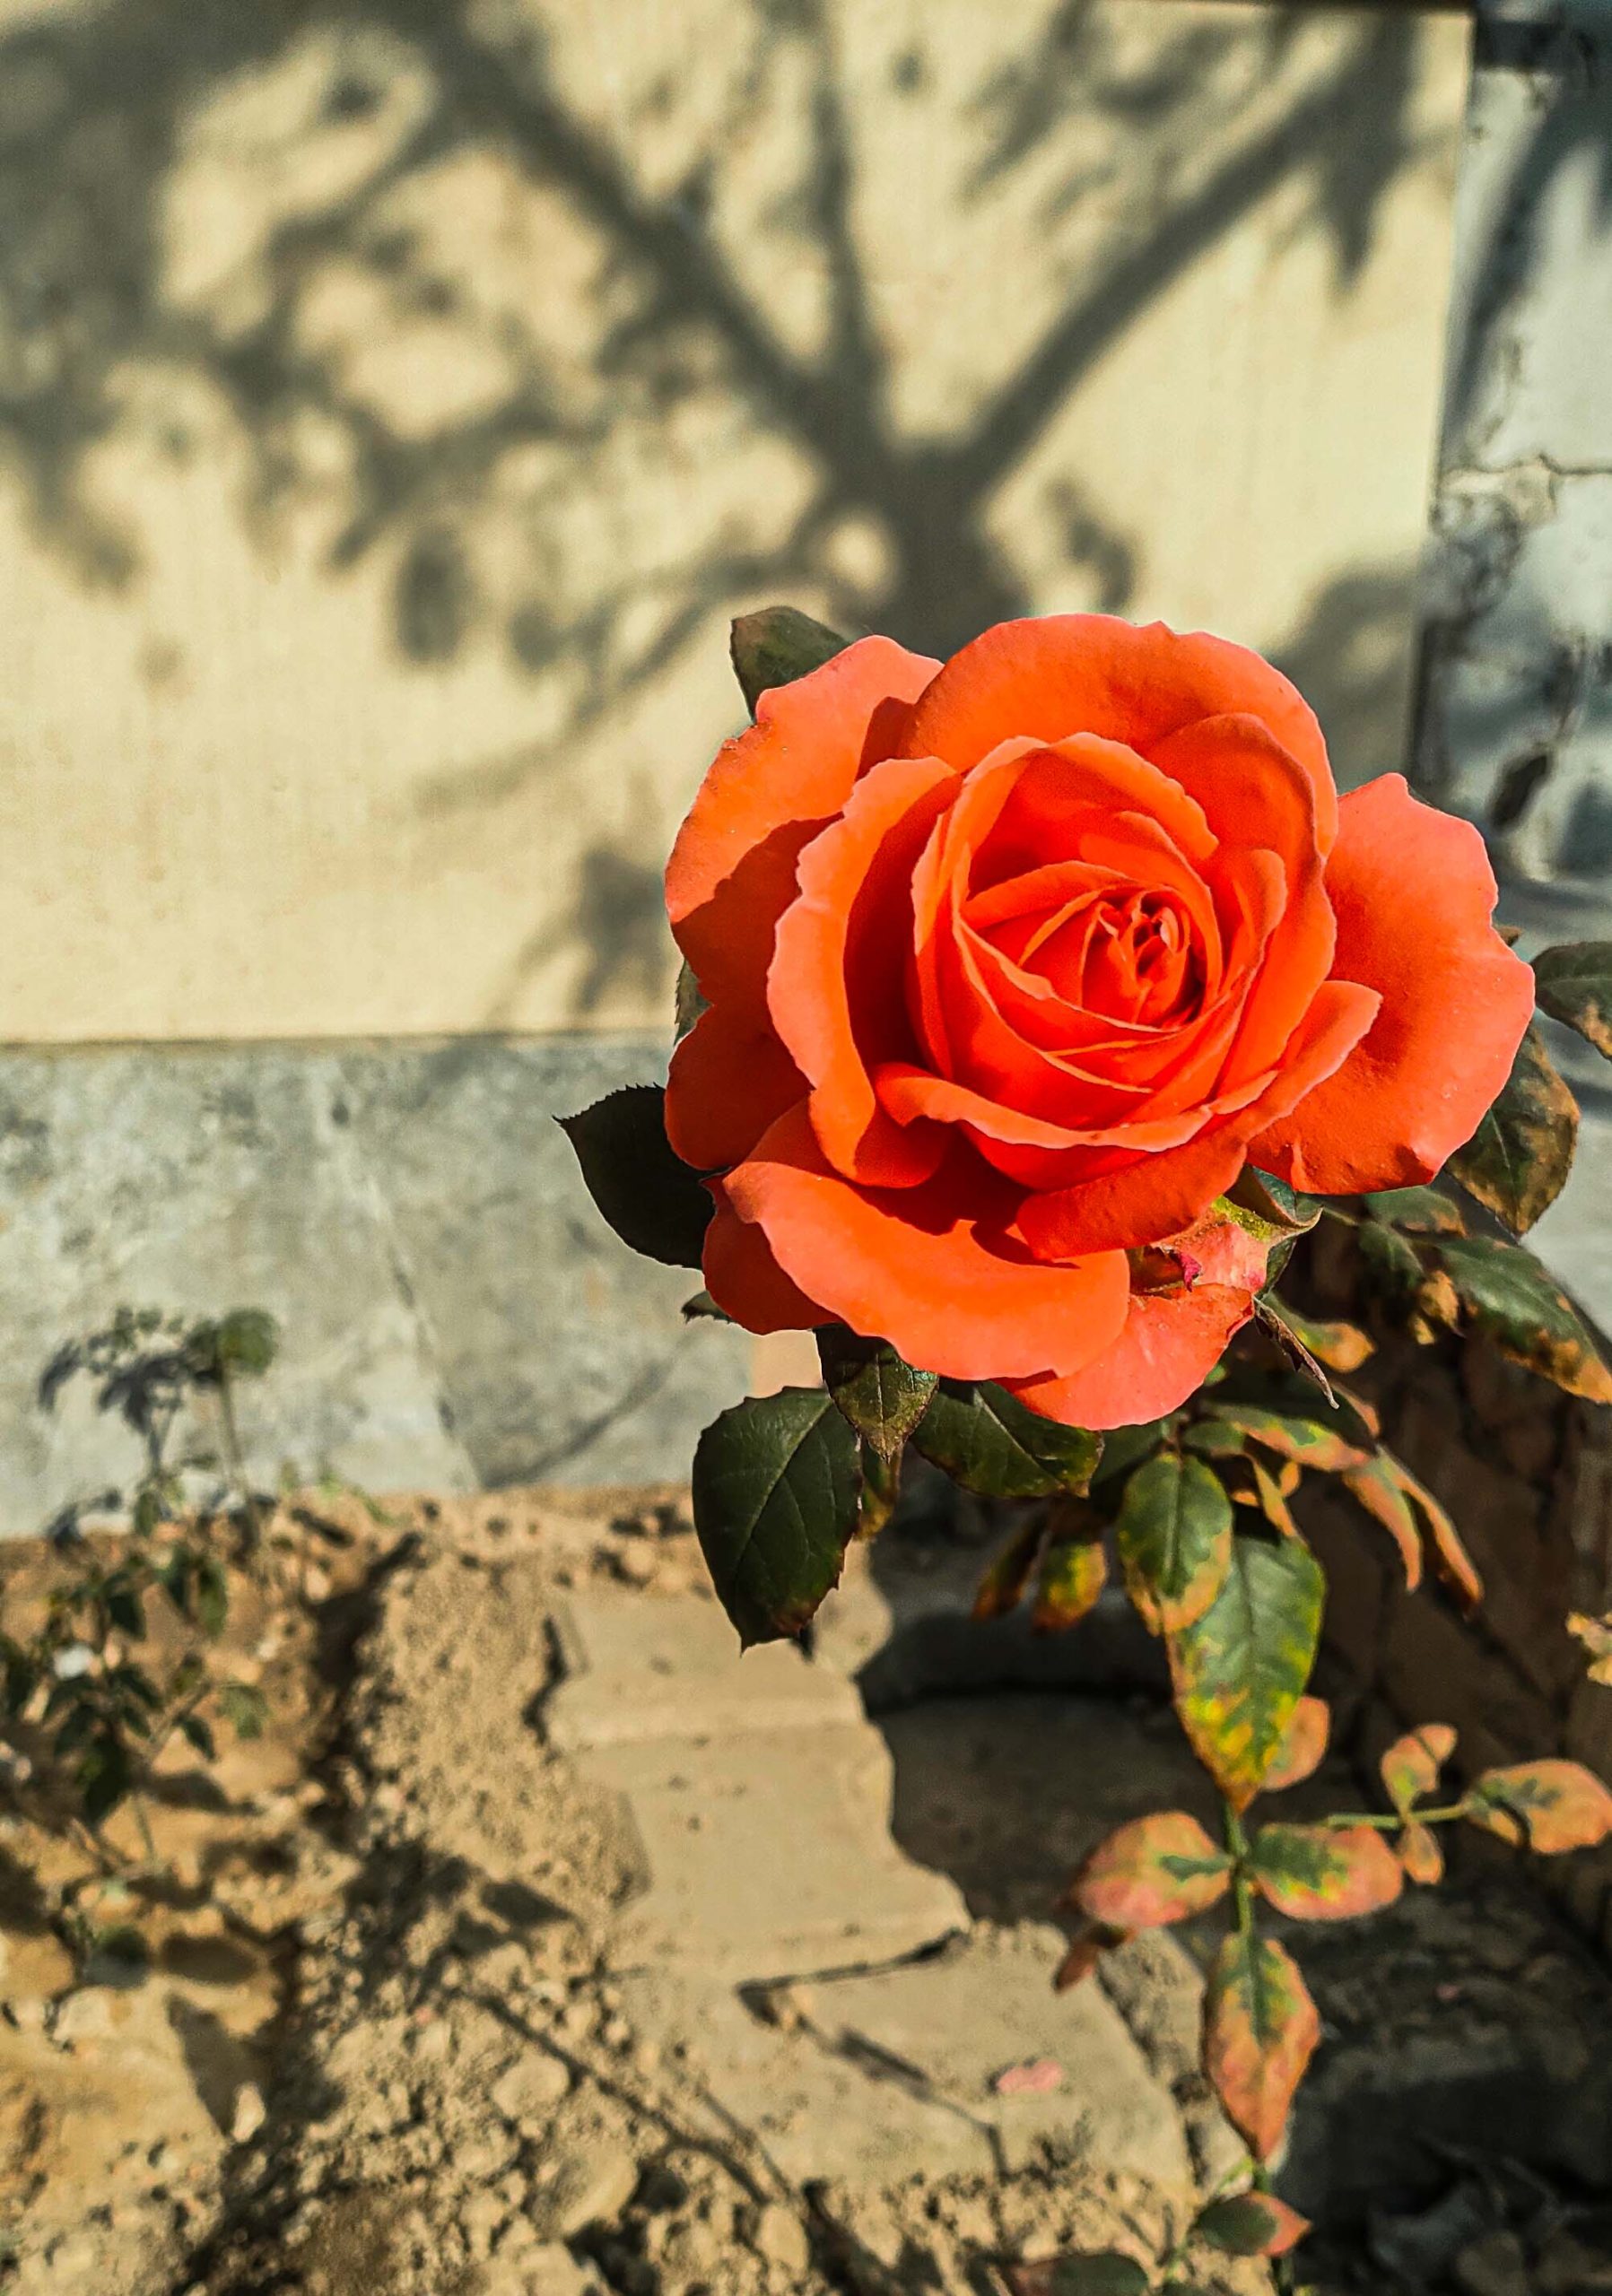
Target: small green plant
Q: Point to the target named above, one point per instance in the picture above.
(104, 1701)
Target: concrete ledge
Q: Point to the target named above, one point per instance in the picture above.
(455, 1312)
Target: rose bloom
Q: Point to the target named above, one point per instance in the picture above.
(1014, 962)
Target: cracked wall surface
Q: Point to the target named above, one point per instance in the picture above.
(1516, 724)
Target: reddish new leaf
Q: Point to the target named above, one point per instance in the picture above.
(1324, 1873)
(1420, 1855)
(1251, 2224)
(1561, 1804)
(1304, 1747)
(1411, 1766)
(1155, 1870)
(1260, 2031)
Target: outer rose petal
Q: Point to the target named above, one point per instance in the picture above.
(915, 1265)
(732, 873)
(730, 1079)
(1413, 892)
(746, 1282)
(796, 766)
(835, 989)
(1090, 673)
(1170, 1343)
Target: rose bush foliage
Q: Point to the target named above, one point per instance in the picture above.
(1012, 963)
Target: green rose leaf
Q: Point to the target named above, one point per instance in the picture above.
(1419, 1211)
(1273, 1202)
(651, 1198)
(1505, 1293)
(1574, 984)
(1173, 1539)
(1240, 1670)
(778, 645)
(775, 1490)
(883, 1397)
(995, 1446)
(1517, 1160)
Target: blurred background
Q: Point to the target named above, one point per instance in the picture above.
(397, 398)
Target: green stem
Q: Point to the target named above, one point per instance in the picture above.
(881, 1487)
(1445, 1816)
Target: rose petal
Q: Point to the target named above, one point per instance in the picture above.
(1413, 892)
(1259, 799)
(930, 1268)
(1158, 1196)
(746, 1282)
(1067, 673)
(730, 1078)
(1170, 1343)
(836, 987)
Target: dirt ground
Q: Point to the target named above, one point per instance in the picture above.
(371, 2048)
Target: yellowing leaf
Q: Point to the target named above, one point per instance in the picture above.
(1411, 1766)
(1374, 1485)
(1261, 2030)
(1291, 1435)
(1173, 1539)
(1575, 985)
(1517, 1160)
(1420, 1854)
(1154, 1870)
(1074, 1569)
(1304, 1746)
(1006, 1579)
(1340, 1346)
(1324, 1873)
(1505, 1293)
(1271, 1498)
(1596, 1635)
(1561, 1804)
(1240, 1670)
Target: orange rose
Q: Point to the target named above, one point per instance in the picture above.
(1014, 963)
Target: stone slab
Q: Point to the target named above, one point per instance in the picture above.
(642, 1668)
(454, 1311)
(769, 1853)
(884, 2073)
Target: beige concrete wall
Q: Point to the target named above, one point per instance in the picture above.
(398, 396)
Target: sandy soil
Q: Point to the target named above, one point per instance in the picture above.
(371, 2048)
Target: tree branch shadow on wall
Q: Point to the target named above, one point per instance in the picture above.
(128, 129)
